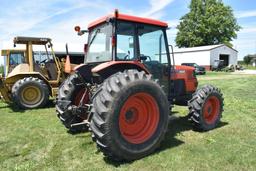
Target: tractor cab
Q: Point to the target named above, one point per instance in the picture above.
(120, 41)
(12, 58)
(38, 57)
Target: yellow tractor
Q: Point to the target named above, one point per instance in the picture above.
(30, 76)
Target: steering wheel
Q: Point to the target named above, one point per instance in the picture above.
(126, 56)
(144, 58)
(43, 61)
(149, 58)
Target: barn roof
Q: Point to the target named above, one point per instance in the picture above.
(200, 48)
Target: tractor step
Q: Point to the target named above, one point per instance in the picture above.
(85, 122)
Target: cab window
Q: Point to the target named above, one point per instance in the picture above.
(42, 57)
(152, 44)
(17, 58)
(125, 41)
(42, 54)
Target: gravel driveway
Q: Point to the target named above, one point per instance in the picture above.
(247, 71)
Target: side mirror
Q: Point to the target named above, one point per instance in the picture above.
(79, 31)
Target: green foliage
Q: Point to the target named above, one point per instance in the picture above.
(1, 69)
(240, 62)
(250, 67)
(247, 60)
(209, 22)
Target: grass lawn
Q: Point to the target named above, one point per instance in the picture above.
(249, 67)
(36, 140)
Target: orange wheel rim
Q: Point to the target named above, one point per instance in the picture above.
(139, 118)
(211, 109)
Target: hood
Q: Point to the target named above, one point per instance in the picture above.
(184, 67)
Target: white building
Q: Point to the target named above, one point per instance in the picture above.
(206, 55)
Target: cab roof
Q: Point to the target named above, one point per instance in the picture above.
(33, 40)
(5, 51)
(127, 18)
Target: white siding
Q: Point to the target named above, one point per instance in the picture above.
(199, 57)
(203, 56)
(254, 63)
(224, 50)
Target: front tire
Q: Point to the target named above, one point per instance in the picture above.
(30, 92)
(206, 107)
(69, 95)
(130, 116)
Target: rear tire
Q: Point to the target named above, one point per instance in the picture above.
(130, 116)
(206, 107)
(69, 95)
(29, 93)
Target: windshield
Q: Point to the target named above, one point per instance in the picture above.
(100, 45)
(125, 41)
(42, 54)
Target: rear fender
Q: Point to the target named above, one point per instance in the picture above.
(109, 68)
(84, 70)
(14, 78)
(99, 72)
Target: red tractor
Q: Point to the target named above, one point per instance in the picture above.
(125, 89)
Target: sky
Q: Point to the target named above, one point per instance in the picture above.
(56, 19)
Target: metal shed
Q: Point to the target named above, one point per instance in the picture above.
(206, 55)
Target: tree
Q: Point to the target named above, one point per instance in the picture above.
(209, 22)
(1, 69)
(247, 60)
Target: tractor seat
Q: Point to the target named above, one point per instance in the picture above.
(37, 68)
(51, 69)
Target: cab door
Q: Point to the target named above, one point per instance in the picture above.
(15, 58)
(154, 53)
